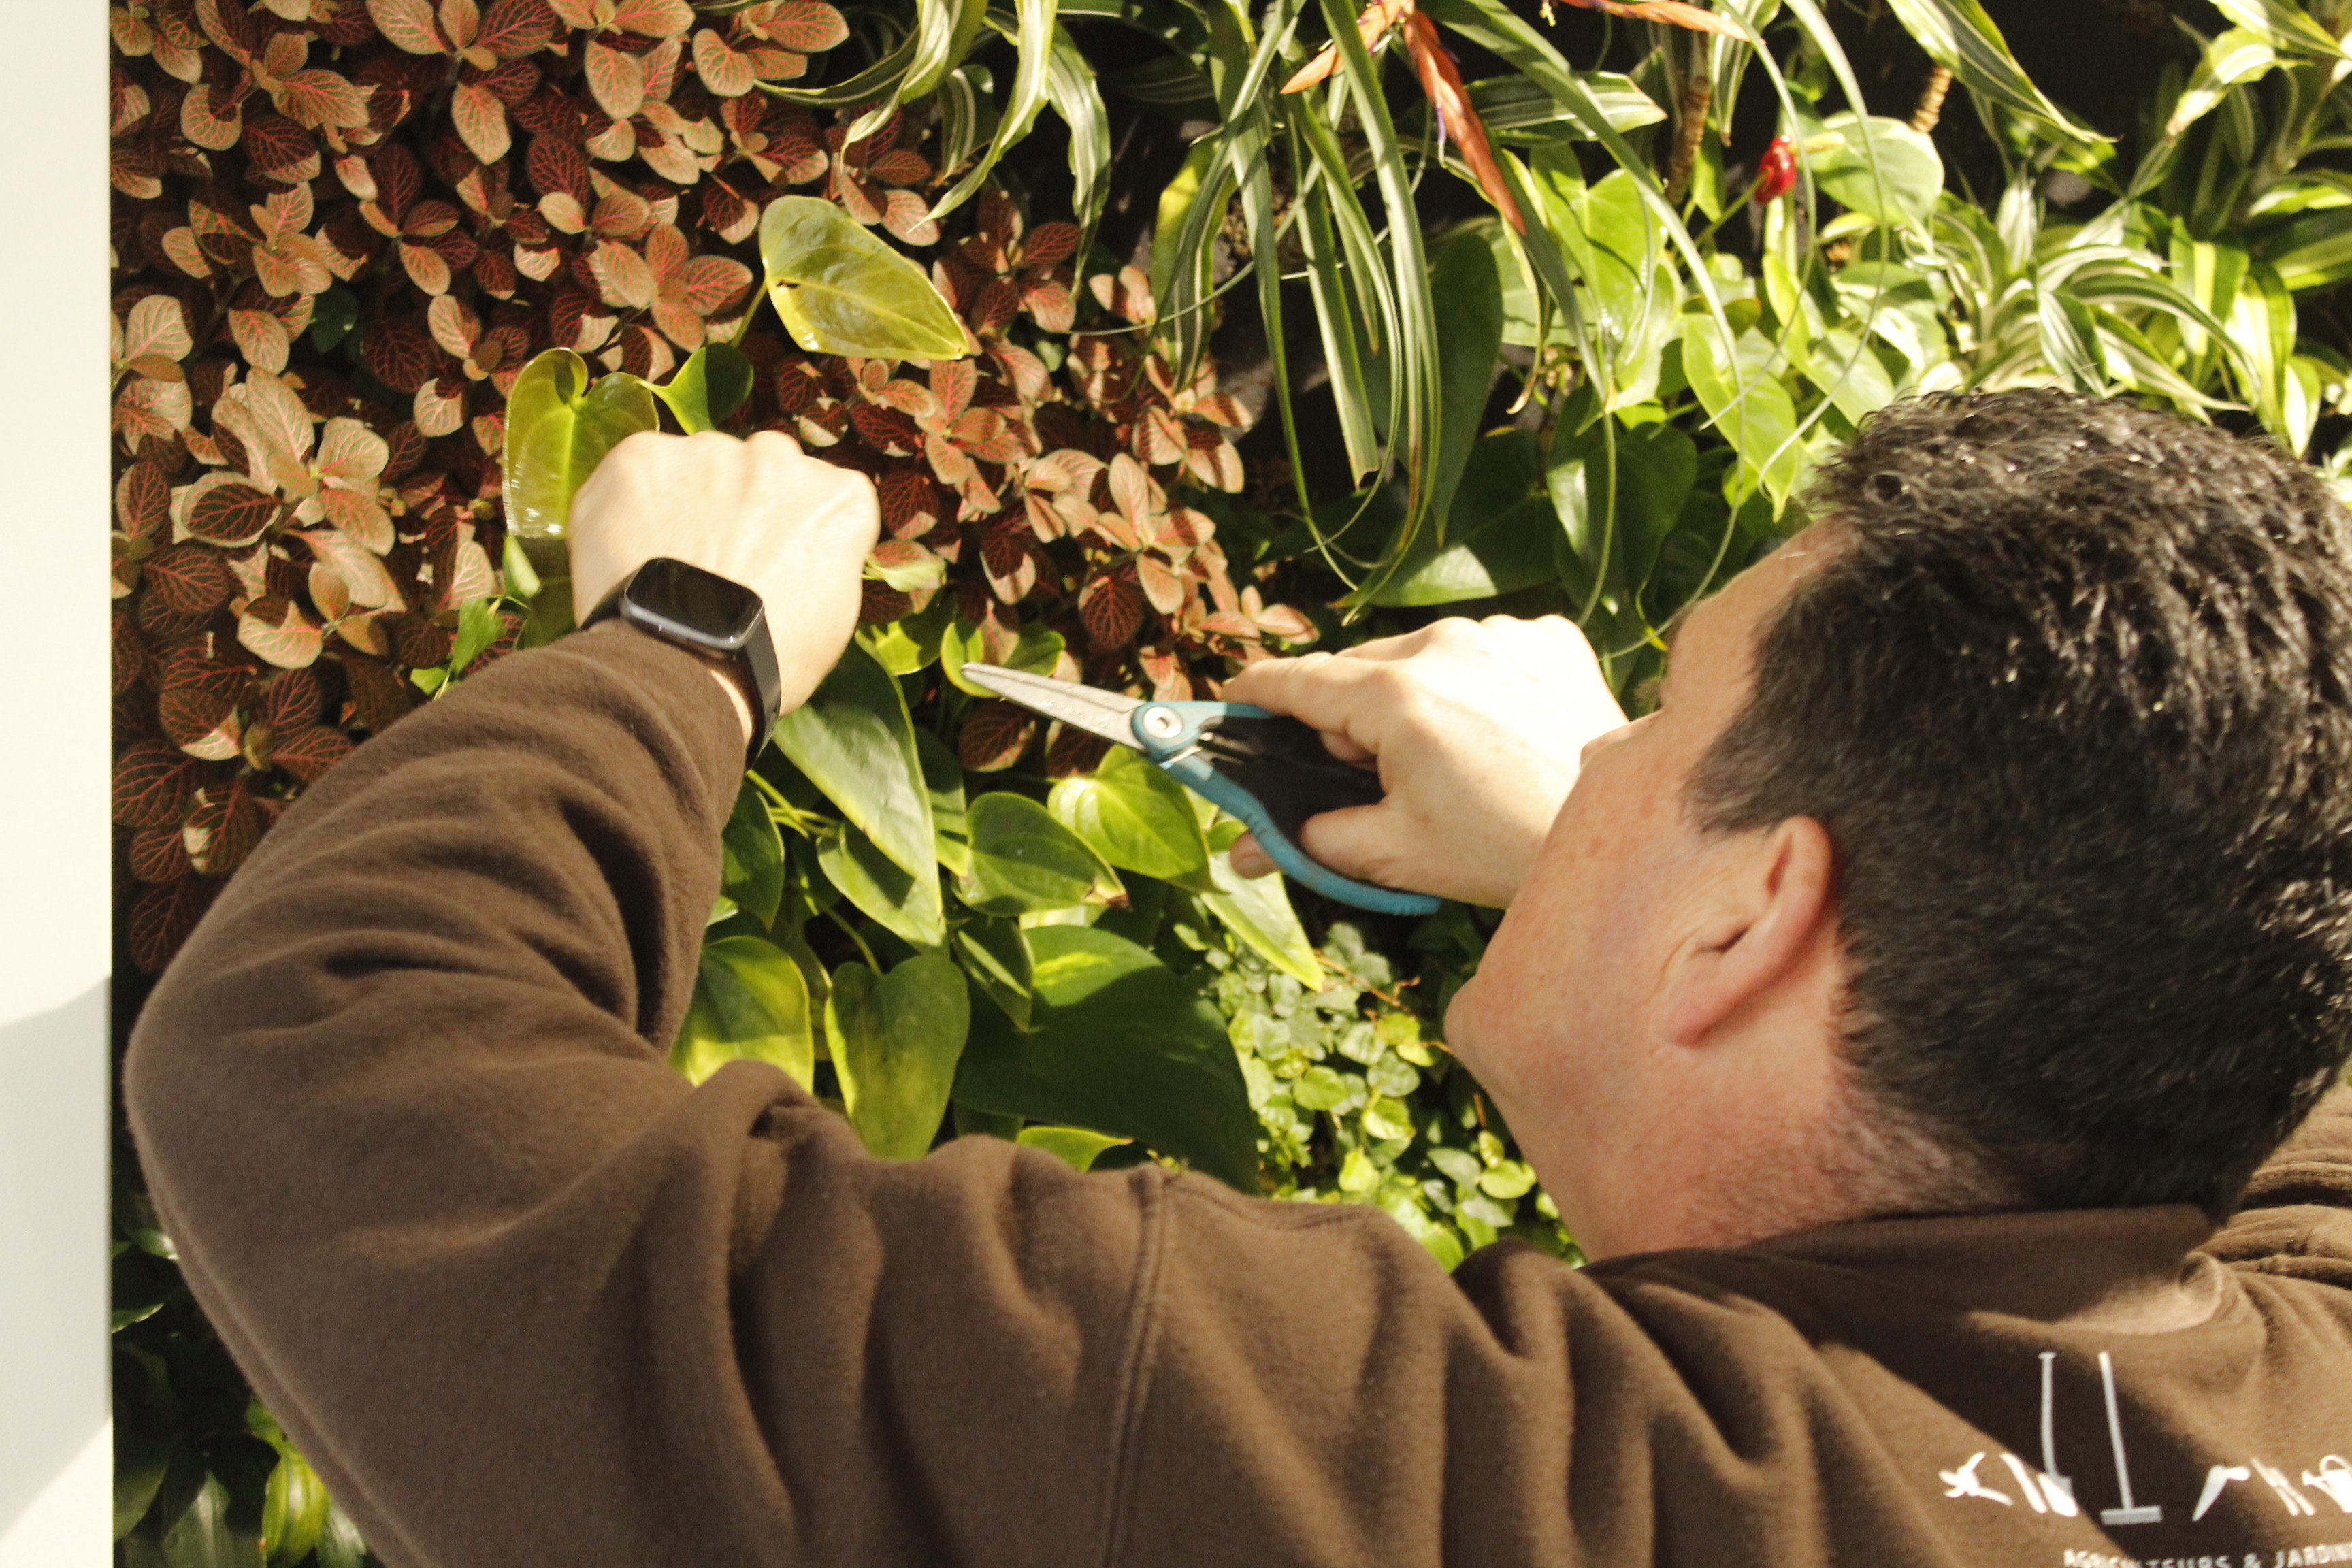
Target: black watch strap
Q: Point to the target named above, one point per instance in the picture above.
(683, 603)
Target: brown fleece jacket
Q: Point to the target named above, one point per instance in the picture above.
(528, 1300)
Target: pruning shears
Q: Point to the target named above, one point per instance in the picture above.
(1270, 771)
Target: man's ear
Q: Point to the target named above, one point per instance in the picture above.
(1772, 906)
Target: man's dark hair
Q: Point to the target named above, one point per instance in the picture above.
(2072, 694)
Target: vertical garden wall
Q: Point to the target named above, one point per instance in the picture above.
(1265, 328)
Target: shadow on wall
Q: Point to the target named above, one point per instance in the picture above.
(53, 1231)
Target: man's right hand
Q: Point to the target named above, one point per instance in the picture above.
(1477, 728)
(794, 530)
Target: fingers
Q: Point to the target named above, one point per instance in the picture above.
(1348, 698)
(1249, 858)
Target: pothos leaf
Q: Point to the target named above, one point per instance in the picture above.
(559, 427)
(750, 1002)
(895, 1043)
(839, 289)
(1118, 1042)
(853, 740)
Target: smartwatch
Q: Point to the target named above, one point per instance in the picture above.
(707, 613)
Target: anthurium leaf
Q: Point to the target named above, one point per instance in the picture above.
(1023, 861)
(896, 1042)
(911, 642)
(1118, 1043)
(906, 903)
(752, 857)
(1080, 1146)
(1257, 909)
(841, 290)
(750, 1002)
(853, 740)
(1037, 652)
(995, 954)
(1135, 817)
(711, 384)
(559, 427)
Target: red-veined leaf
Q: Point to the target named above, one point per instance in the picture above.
(163, 917)
(480, 118)
(281, 149)
(623, 277)
(1161, 584)
(192, 578)
(426, 268)
(222, 826)
(309, 752)
(260, 337)
(214, 129)
(142, 502)
(317, 97)
(653, 18)
(156, 326)
(1112, 610)
(616, 82)
(361, 571)
(1050, 244)
(276, 630)
(723, 70)
(513, 29)
(399, 355)
(809, 27)
(152, 780)
(290, 699)
(994, 737)
(410, 25)
(158, 854)
(440, 405)
(220, 509)
(715, 284)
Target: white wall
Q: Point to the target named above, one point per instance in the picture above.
(55, 1458)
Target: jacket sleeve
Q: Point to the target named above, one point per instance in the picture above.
(2296, 1216)
(522, 1295)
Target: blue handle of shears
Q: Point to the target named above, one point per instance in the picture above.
(1173, 752)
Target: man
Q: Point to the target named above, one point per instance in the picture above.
(1893, 1014)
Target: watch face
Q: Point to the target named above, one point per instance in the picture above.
(705, 606)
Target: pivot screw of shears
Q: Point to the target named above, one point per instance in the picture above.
(1163, 723)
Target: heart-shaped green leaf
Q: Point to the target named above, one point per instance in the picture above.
(995, 954)
(1119, 1043)
(853, 740)
(841, 290)
(559, 427)
(750, 1002)
(896, 1042)
(1135, 817)
(1023, 861)
(907, 904)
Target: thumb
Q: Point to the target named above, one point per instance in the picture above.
(1360, 841)
(1248, 858)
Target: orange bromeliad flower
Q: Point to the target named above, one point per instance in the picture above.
(1440, 78)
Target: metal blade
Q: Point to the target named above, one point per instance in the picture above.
(1103, 713)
